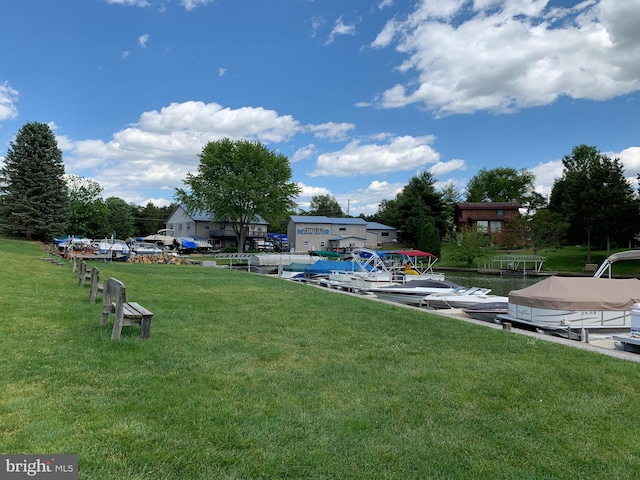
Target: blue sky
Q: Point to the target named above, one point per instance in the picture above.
(360, 95)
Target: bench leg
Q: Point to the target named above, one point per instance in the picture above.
(117, 326)
(145, 326)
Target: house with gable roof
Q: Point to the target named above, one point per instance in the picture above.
(218, 231)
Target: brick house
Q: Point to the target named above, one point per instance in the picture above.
(490, 217)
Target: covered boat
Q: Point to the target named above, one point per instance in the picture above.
(566, 303)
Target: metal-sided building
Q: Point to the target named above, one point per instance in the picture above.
(308, 233)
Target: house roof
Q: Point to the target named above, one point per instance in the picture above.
(203, 216)
(378, 226)
(324, 220)
(488, 205)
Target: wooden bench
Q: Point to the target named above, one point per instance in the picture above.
(96, 286)
(590, 268)
(83, 273)
(114, 300)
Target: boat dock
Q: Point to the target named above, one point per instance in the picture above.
(514, 265)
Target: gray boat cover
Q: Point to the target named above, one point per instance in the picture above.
(579, 293)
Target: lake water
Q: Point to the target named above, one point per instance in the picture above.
(499, 284)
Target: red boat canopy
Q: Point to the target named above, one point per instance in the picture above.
(413, 253)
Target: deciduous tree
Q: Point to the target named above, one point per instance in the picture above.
(325, 205)
(87, 211)
(33, 192)
(597, 200)
(239, 181)
(501, 184)
(120, 218)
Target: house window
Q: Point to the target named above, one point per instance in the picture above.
(384, 234)
(482, 225)
(342, 229)
(496, 226)
(500, 213)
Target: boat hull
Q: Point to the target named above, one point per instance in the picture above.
(550, 319)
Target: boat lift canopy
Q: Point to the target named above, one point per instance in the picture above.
(518, 263)
(616, 257)
(416, 260)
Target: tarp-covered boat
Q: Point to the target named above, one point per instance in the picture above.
(565, 303)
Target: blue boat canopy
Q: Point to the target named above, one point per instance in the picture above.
(327, 266)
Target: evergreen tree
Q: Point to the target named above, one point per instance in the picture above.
(33, 192)
(418, 198)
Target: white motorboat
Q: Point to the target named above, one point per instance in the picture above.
(563, 304)
(164, 238)
(412, 293)
(145, 248)
(118, 249)
(461, 297)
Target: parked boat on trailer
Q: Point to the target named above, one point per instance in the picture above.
(117, 249)
(164, 238)
(145, 248)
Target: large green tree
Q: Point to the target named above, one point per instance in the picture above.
(88, 214)
(417, 204)
(33, 192)
(325, 205)
(596, 199)
(501, 184)
(542, 229)
(120, 218)
(419, 197)
(239, 181)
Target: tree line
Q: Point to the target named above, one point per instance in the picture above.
(592, 203)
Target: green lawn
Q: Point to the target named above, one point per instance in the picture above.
(251, 377)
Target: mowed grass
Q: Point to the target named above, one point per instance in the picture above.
(251, 377)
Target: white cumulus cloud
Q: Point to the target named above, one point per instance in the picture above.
(503, 55)
(398, 154)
